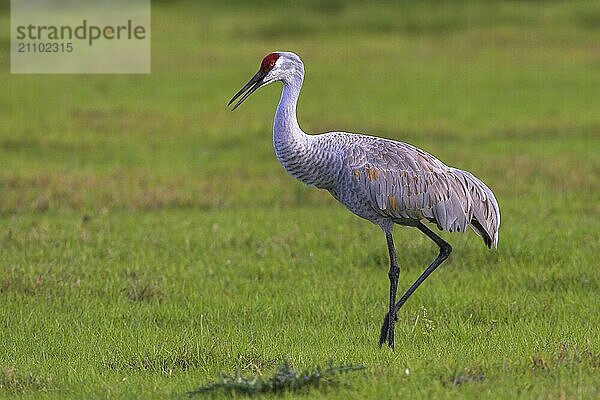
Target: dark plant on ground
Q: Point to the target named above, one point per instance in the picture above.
(285, 378)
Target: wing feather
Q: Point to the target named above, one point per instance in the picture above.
(401, 181)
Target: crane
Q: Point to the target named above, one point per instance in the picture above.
(383, 181)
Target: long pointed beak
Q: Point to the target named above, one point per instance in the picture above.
(250, 87)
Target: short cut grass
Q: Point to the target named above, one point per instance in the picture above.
(149, 239)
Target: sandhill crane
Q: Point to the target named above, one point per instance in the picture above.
(383, 181)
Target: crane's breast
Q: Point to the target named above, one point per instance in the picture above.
(313, 160)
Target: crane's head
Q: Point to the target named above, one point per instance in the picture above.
(277, 66)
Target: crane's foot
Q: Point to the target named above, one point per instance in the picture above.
(387, 330)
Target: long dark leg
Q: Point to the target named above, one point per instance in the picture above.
(393, 274)
(445, 250)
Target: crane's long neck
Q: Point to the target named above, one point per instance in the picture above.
(299, 153)
(286, 131)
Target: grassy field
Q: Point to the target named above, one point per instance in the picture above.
(149, 239)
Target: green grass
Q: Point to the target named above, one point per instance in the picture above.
(149, 239)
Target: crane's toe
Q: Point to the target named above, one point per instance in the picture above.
(387, 330)
(384, 330)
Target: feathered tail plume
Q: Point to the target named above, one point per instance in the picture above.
(486, 213)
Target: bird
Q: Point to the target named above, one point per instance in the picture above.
(381, 180)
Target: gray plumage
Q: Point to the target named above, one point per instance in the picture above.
(387, 181)
(381, 180)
